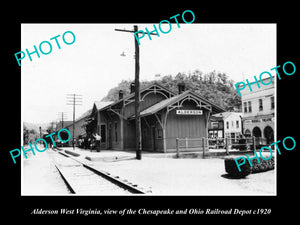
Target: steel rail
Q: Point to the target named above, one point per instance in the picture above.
(122, 184)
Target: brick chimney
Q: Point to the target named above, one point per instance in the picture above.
(181, 87)
(121, 94)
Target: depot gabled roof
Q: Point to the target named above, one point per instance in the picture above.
(170, 101)
(142, 90)
(100, 104)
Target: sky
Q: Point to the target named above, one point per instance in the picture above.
(93, 64)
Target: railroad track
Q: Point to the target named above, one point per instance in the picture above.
(84, 179)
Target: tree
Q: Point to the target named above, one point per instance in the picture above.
(32, 131)
(25, 135)
(213, 86)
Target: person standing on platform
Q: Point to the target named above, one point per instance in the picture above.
(98, 141)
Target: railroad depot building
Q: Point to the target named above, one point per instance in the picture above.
(165, 116)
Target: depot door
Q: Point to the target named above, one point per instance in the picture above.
(153, 138)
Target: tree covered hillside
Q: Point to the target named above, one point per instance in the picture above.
(215, 87)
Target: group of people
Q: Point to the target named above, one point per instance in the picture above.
(92, 142)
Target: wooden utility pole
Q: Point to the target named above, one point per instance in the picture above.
(62, 117)
(40, 128)
(138, 132)
(74, 99)
(138, 129)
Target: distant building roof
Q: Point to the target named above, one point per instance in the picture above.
(252, 79)
(66, 124)
(87, 113)
(84, 115)
(226, 114)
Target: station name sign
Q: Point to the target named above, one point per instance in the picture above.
(188, 112)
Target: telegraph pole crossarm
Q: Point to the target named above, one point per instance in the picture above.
(131, 31)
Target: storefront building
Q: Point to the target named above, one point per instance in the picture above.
(226, 125)
(259, 111)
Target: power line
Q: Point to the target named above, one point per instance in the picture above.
(62, 116)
